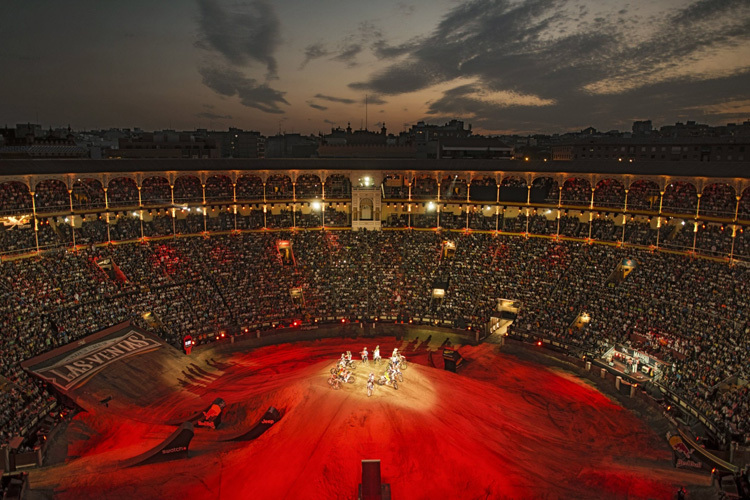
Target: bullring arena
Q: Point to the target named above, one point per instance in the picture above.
(568, 335)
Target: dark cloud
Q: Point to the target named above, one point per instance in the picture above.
(317, 106)
(329, 122)
(314, 51)
(383, 50)
(663, 102)
(349, 47)
(374, 100)
(213, 116)
(242, 31)
(567, 60)
(349, 55)
(342, 100)
(229, 82)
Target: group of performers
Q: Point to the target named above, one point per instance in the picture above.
(342, 373)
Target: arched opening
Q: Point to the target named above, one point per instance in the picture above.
(643, 195)
(87, 194)
(156, 191)
(188, 189)
(718, 200)
(308, 187)
(219, 188)
(14, 198)
(279, 187)
(576, 192)
(680, 198)
(609, 193)
(51, 196)
(122, 192)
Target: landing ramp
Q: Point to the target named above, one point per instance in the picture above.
(271, 416)
(173, 448)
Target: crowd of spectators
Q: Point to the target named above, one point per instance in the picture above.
(279, 187)
(453, 188)
(156, 191)
(424, 188)
(744, 207)
(690, 312)
(513, 182)
(188, 189)
(249, 188)
(52, 195)
(88, 194)
(395, 187)
(718, 200)
(219, 188)
(609, 193)
(644, 195)
(576, 191)
(680, 198)
(338, 186)
(711, 239)
(549, 188)
(122, 192)
(14, 198)
(308, 187)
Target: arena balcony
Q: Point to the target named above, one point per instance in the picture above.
(659, 204)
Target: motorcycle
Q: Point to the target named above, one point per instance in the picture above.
(334, 382)
(402, 362)
(383, 380)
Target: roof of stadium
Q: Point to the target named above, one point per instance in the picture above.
(86, 166)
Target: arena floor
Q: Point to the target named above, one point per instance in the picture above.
(503, 427)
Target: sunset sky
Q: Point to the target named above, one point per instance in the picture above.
(305, 66)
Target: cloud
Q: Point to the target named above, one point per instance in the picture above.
(316, 106)
(382, 50)
(374, 100)
(544, 61)
(329, 122)
(242, 31)
(213, 116)
(347, 48)
(727, 109)
(329, 98)
(229, 82)
(348, 55)
(470, 98)
(314, 51)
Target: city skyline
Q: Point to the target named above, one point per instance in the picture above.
(502, 66)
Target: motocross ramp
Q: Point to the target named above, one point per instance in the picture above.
(271, 416)
(174, 447)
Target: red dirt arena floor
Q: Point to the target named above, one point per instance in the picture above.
(503, 427)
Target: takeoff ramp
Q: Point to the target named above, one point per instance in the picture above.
(173, 448)
(271, 416)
